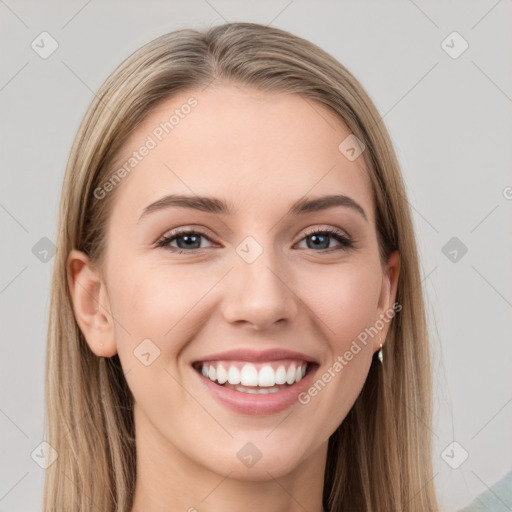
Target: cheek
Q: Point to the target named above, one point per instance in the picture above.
(154, 301)
(345, 308)
(152, 308)
(345, 301)
(157, 303)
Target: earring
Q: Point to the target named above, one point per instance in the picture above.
(380, 355)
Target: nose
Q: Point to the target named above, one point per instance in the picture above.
(259, 294)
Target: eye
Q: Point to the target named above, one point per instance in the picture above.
(320, 239)
(185, 239)
(190, 241)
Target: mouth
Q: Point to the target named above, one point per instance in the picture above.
(255, 378)
(251, 383)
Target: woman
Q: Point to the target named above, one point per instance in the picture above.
(237, 316)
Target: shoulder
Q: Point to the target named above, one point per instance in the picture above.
(497, 498)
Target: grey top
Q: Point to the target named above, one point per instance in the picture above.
(497, 498)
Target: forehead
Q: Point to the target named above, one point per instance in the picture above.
(255, 149)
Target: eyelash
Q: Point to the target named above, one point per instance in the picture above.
(346, 243)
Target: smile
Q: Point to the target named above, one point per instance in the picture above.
(256, 383)
(255, 378)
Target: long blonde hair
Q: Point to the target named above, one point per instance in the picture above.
(379, 458)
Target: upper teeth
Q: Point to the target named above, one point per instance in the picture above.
(248, 374)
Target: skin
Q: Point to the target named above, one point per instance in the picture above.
(261, 151)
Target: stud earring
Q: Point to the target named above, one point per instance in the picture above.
(380, 355)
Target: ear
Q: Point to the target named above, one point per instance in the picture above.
(385, 309)
(91, 304)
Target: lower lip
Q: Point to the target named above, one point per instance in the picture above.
(257, 404)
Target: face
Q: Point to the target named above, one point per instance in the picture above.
(240, 328)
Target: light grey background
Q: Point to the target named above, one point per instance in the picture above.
(450, 120)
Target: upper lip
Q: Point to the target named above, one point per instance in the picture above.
(256, 356)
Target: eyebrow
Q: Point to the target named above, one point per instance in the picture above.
(219, 206)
